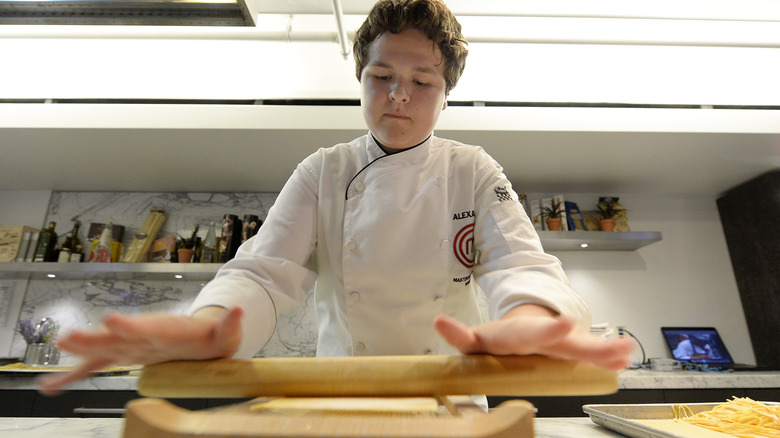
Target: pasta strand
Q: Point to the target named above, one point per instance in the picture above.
(741, 417)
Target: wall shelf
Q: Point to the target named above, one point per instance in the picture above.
(597, 240)
(551, 241)
(118, 271)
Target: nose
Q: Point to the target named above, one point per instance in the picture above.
(399, 93)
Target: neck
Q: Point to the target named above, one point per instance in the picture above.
(390, 151)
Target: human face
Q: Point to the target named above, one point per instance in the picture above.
(403, 90)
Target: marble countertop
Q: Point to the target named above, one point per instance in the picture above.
(629, 379)
(108, 383)
(647, 379)
(113, 428)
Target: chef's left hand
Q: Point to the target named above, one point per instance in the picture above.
(531, 329)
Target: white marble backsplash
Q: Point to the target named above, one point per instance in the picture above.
(77, 304)
(182, 210)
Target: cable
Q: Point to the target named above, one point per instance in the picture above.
(622, 330)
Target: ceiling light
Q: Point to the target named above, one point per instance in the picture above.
(130, 12)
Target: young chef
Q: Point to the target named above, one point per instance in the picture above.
(396, 230)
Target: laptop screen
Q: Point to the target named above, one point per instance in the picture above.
(701, 345)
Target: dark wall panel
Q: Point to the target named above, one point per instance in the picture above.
(750, 214)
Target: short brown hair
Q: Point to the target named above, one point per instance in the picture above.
(432, 17)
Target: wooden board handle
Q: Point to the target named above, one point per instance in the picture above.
(376, 376)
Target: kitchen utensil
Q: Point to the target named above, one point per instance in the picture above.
(655, 420)
(376, 376)
(161, 419)
(400, 377)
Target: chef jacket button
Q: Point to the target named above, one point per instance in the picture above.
(438, 298)
(359, 186)
(354, 297)
(360, 347)
(350, 244)
(439, 180)
(428, 351)
(444, 244)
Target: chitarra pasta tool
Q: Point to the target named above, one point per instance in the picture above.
(378, 396)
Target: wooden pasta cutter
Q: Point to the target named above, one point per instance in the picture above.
(379, 396)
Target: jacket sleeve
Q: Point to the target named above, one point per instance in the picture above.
(271, 272)
(512, 267)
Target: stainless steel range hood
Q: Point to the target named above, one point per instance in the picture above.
(131, 12)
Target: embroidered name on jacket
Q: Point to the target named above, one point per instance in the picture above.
(465, 280)
(502, 194)
(463, 215)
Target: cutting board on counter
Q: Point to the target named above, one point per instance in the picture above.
(381, 396)
(158, 418)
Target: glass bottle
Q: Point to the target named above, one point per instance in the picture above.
(230, 238)
(47, 242)
(65, 250)
(104, 245)
(74, 236)
(77, 255)
(210, 251)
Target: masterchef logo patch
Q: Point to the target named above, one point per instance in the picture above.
(502, 194)
(464, 246)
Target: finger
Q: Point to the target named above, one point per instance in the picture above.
(456, 334)
(555, 331)
(122, 326)
(616, 354)
(611, 354)
(522, 335)
(609, 351)
(227, 333)
(79, 341)
(230, 323)
(51, 384)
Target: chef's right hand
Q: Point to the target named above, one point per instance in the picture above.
(212, 332)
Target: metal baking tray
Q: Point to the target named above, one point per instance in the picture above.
(627, 419)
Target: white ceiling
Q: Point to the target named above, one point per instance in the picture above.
(709, 9)
(665, 164)
(255, 148)
(167, 148)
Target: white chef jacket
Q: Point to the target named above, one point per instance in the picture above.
(389, 242)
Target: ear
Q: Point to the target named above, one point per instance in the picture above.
(444, 105)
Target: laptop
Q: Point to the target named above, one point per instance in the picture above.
(702, 346)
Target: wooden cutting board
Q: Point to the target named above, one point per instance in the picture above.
(158, 418)
(375, 376)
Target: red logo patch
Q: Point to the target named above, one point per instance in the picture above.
(464, 246)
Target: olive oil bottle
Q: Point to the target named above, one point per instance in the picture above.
(71, 242)
(47, 242)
